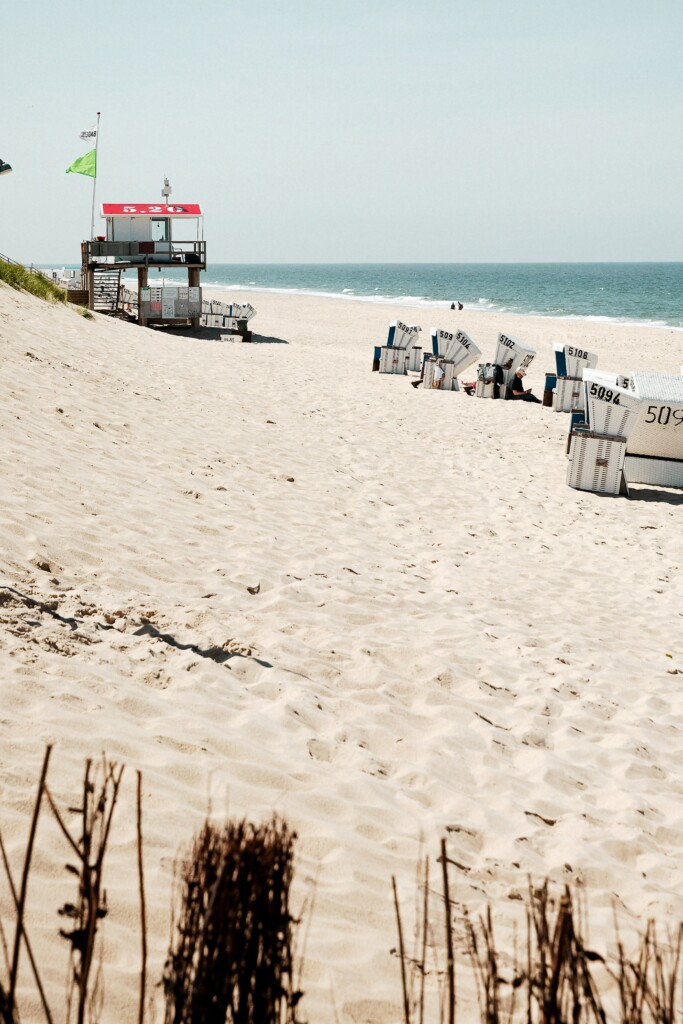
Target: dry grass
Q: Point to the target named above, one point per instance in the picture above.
(23, 279)
(554, 979)
(231, 959)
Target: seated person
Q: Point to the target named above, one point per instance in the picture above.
(517, 389)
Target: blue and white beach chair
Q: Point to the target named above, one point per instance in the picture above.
(453, 351)
(597, 447)
(570, 362)
(400, 353)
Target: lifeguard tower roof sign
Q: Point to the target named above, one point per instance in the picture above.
(151, 210)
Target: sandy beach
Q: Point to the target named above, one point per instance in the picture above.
(274, 581)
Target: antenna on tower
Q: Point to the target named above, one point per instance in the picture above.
(166, 190)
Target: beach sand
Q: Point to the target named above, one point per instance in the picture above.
(446, 639)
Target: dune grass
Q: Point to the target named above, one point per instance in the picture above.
(19, 277)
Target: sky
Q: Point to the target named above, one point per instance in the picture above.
(351, 130)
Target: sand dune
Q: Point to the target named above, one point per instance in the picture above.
(445, 638)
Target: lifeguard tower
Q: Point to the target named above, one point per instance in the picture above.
(141, 236)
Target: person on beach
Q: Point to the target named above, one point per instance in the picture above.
(438, 376)
(517, 389)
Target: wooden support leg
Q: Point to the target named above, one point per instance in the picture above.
(142, 283)
(193, 282)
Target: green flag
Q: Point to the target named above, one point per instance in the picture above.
(85, 165)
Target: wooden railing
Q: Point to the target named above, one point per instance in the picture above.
(145, 253)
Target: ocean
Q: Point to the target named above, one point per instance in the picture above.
(649, 293)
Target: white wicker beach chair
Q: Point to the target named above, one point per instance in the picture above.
(511, 355)
(570, 363)
(654, 454)
(454, 351)
(596, 463)
(449, 382)
(610, 409)
(232, 317)
(402, 338)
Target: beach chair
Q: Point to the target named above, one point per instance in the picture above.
(597, 446)
(610, 407)
(596, 463)
(487, 385)
(454, 351)
(493, 379)
(236, 319)
(400, 354)
(231, 317)
(447, 383)
(570, 362)
(654, 453)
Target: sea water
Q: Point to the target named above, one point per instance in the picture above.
(624, 292)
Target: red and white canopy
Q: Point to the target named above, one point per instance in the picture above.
(151, 210)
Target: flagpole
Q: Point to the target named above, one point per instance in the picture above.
(94, 181)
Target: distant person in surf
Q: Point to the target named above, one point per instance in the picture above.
(518, 391)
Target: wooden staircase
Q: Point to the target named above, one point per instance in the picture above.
(106, 288)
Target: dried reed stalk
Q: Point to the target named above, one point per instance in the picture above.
(402, 955)
(651, 984)
(425, 930)
(484, 962)
(663, 995)
(450, 960)
(29, 950)
(143, 909)
(231, 956)
(99, 796)
(21, 900)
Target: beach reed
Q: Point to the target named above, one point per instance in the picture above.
(231, 957)
(555, 981)
(9, 1013)
(33, 281)
(100, 792)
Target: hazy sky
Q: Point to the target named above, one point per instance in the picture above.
(352, 130)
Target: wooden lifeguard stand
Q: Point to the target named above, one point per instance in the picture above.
(140, 236)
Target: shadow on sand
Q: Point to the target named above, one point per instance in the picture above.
(636, 492)
(214, 334)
